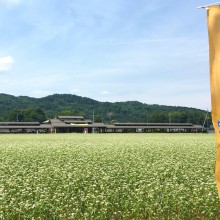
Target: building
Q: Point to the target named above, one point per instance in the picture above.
(78, 124)
(75, 124)
(155, 127)
(24, 127)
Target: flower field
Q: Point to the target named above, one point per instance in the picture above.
(108, 176)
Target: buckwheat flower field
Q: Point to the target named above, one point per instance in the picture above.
(108, 176)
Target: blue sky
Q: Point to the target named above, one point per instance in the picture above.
(155, 52)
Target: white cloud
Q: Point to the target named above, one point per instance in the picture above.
(105, 93)
(40, 93)
(10, 2)
(6, 63)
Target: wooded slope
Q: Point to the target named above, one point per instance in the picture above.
(24, 108)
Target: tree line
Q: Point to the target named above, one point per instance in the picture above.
(24, 108)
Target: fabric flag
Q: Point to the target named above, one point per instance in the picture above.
(213, 19)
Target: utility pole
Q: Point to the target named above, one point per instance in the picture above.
(206, 116)
(93, 120)
(169, 118)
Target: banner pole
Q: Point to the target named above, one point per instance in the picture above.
(213, 23)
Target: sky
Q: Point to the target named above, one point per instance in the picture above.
(155, 52)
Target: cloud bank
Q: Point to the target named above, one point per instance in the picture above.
(6, 63)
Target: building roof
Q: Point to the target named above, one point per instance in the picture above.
(70, 117)
(57, 122)
(155, 127)
(77, 121)
(20, 123)
(153, 124)
(25, 126)
(83, 125)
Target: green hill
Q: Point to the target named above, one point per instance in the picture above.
(25, 108)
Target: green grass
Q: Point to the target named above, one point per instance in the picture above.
(108, 176)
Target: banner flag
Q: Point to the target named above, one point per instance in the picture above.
(213, 20)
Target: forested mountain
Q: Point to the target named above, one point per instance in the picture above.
(24, 108)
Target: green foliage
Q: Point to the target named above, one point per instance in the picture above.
(131, 111)
(113, 122)
(69, 112)
(98, 118)
(27, 115)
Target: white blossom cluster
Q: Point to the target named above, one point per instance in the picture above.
(108, 176)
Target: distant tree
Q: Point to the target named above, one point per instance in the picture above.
(15, 115)
(28, 115)
(98, 118)
(113, 122)
(34, 115)
(13, 108)
(69, 112)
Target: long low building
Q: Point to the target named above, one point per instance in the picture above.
(24, 127)
(78, 124)
(154, 127)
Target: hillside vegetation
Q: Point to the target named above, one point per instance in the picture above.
(24, 108)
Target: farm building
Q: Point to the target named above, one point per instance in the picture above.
(75, 124)
(154, 127)
(24, 127)
(78, 124)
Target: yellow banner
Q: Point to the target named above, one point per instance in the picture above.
(213, 19)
